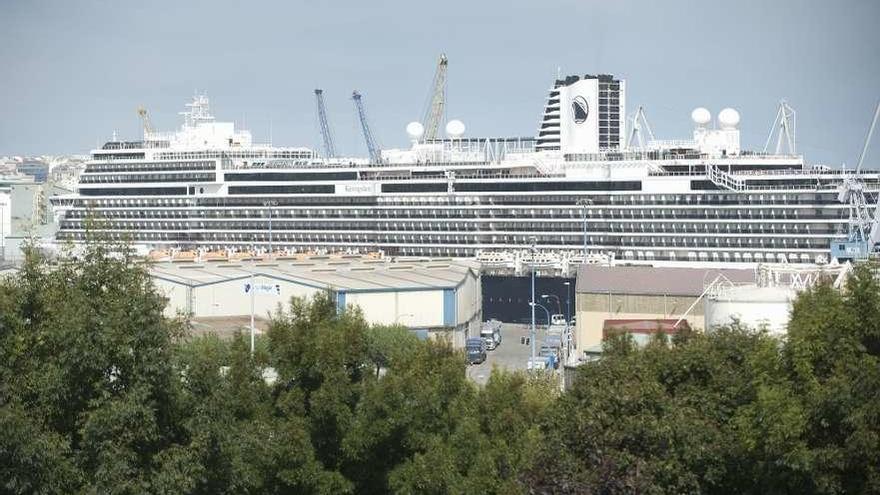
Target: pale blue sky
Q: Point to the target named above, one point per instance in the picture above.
(75, 71)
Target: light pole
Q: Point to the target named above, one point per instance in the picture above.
(533, 241)
(554, 296)
(568, 301)
(270, 204)
(584, 202)
(545, 310)
(253, 329)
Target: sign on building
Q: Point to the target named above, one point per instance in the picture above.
(262, 288)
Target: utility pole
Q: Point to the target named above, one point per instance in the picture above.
(533, 331)
(568, 301)
(253, 329)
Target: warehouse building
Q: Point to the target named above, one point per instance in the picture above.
(610, 297)
(439, 297)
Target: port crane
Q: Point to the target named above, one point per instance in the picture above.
(145, 121)
(372, 147)
(863, 228)
(320, 108)
(436, 111)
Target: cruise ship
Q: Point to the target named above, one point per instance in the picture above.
(591, 182)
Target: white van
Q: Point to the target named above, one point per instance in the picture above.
(490, 332)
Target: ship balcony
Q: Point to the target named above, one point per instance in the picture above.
(480, 240)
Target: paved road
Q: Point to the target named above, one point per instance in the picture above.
(510, 355)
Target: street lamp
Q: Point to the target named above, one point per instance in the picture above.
(533, 240)
(584, 202)
(542, 307)
(554, 296)
(270, 204)
(568, 300)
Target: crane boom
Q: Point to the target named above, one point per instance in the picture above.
(329, 147)
(372, 147)
(435, 113)
(868, 138)
(145, 121)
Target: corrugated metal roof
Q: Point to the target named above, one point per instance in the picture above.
(351, 276)
(649, 280)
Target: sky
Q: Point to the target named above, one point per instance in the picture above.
(73, 72)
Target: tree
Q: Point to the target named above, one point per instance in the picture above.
(100, 392)
(85, 352)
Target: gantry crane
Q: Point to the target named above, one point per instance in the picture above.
(329, 147)
(372, 147)
(863, 228)
(436, 112)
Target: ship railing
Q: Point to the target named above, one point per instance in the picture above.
(723, 179)
(665, 154)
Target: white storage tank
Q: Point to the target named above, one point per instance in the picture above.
(752, 305)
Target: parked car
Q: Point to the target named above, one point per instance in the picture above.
(491, 333)
(475, 348)
(558, 319)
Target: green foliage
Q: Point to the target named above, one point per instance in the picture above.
(733, 411)
(101, 393)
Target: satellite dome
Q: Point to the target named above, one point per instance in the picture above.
(701, 116)
(455, 128)
(728, 118)
(415, 130)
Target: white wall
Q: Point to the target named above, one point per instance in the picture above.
(5, 216)
(768, 307)
(229, 298)
(423, 308)
(176, 294)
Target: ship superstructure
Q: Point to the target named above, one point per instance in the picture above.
(572, 191)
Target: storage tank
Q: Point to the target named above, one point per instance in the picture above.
(752, 305)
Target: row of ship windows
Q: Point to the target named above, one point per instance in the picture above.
(150, 166)
(235, 154)
(116, 178)
(651, 200)
(557, 229)
(386, 188)
(498, 240)
(488, 215)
